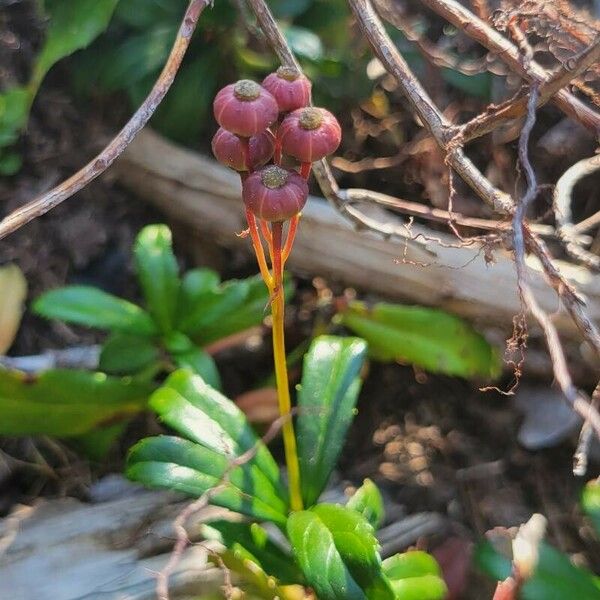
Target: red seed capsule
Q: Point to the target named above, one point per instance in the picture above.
(228, 149)
(289, 87)
(245, 108)
(274, 193)
(309, 134)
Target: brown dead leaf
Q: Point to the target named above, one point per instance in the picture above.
(13, 291)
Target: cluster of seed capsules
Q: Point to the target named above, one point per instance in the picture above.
(271, 135)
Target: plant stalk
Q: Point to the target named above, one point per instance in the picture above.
(281, 374)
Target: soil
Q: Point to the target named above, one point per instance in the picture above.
(433, 443)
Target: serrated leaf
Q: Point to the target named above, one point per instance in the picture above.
(197, 411)
(158, 273)
(185, 466)
(326, 400)
(368, 502)
(590, 500)
(555, 577)
(415, 576)
(249, 541)
(125, 354)
(13, 291)
(89, 306)
(429, 338)
(338, 554)
(66, 403)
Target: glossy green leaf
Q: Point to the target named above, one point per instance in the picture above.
(201, 363)
(73, 25)
(249, 313)
(158, 273)
(217, 430)
(368, 502)
(66, 403)
(89, 306)
(415, 576)
(197, 411)
(338, 554)
(126, 354)
(249, 541)
(210, 307)
(590, 500)
(14, 106)
(429, 338)
(555, 578)
(326, 400)
(185, 466)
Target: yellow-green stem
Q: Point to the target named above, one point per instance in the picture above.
(281, 374)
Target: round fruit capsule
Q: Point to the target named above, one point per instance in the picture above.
(289, 87)
(274, 193)
(230, 150)
(245, 108)
(309, 134)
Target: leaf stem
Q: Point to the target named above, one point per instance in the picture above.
(281, 374)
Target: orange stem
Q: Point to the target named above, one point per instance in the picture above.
(289, 242)
(259, 251)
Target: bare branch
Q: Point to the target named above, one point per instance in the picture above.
(562, 209)
(48, 200)
(497, 115)
(463, 19)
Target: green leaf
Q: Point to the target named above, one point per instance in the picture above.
(219, 433)
(73, 25)
(213, 306)
(97, 443)
(201, 363)
(10, 163)
(126, 354)
(590, 500)
(249, 541)
(304, 42)
(89, 306)
(195, 86)
(326, 400)
(188, 467)
(338, 554)
(14, 106)
(158, 273)
(66, 403)
(429, 338)
(555, 578)
(145, 14)
(415, 576)
(249, 313)
(368, 502)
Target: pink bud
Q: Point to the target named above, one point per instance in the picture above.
(309, 134)
(229, 149)
(289, 87)
(245, 108)
(274, 193)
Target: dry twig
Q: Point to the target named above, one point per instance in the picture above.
(48, 200)
(463, 19)
(563, 213)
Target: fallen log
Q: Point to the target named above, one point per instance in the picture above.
(204, 196)
(113, 547)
